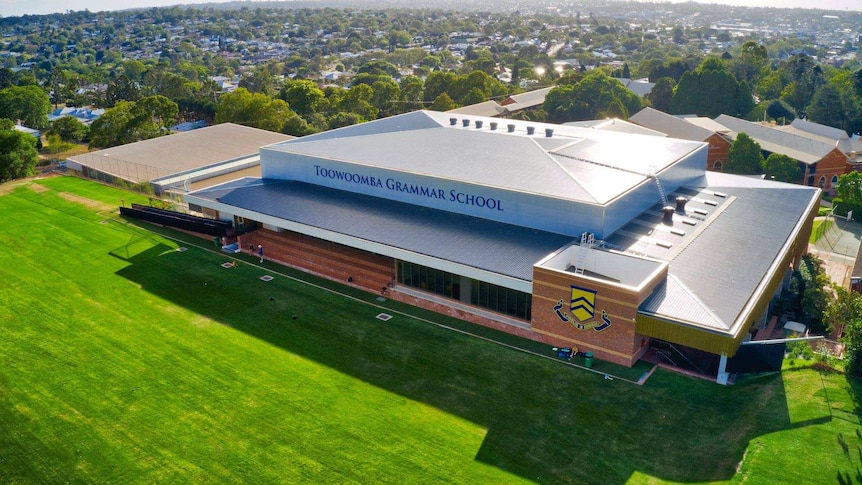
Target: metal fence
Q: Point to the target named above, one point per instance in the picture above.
(104, 167)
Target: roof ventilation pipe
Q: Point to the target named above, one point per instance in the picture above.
(465, 122)
(478, 123)
(453, 121)
(680, 204)
(531, 130)
(668, 211)
(493, 125)
(511, 128)
(549, 132)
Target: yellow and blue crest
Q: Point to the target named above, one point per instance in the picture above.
(583, 303)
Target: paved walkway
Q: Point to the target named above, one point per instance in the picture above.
(839, 248)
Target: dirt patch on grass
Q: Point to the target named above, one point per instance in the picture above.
(38, 188)
(89, 203)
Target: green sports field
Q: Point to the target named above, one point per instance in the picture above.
(124, 360)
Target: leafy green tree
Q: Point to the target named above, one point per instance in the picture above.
(815, 297)
(6, 124)
(849, 187)
(30, 104)
(844, 313)
(442, 103)
(744, 157)
(592, 98)
(832, 107)
(750, 62)
(303, 97)
(436, 83)
(68, 129)
(780, 110)
(782, 168)
(122, 89)
(341, 119)
(358, 99)
(711, 90)
(130, 121)
(18, 155)
(661, 94)
(252, 109)
(260, 80)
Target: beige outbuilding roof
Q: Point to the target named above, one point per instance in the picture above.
(179, 153)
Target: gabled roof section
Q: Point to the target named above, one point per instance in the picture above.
(559, 163)
(670, 125)
(526, 100)
(487, 108)
(823, 133)
(774, 140)
(173, 154)
(616, 124)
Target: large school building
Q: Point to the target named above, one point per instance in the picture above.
(578, 237)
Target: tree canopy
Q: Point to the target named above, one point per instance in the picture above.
(782, 168)
(711, 90)
(30, 104)
(596, 96)
(744, 156)
(18, 155)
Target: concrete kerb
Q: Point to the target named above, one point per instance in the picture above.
(640, 382)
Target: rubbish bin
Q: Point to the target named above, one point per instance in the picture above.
(588, 360)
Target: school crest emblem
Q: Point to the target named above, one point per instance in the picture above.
(582, 306)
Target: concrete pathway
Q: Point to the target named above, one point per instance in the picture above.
(839, 248)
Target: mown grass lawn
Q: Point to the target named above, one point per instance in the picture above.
(125, 360)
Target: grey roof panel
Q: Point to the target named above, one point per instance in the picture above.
(492, 246)
(180, 152)
(670, 125)
(773, 140)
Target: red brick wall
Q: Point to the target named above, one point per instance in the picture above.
(618, 343)
(833, 164)
(331, 260)
(719, 147)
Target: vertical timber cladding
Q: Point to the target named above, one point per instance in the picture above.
(595, 316)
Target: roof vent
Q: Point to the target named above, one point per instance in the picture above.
(549, 132)
(531, 130)
(668, 214)
(680, 204)
(453, 121)
(511, 128)
(478, 123)
(493, 125)
(465, 122)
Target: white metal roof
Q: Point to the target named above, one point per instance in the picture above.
(563, 165)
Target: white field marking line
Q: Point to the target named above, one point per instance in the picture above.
(441, 325)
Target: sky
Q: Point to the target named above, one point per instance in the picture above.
(13, 8)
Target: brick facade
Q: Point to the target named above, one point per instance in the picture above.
(331, 260)
(834, 164)
(618, 343)
(719, 147)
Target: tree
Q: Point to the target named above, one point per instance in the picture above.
(30, 104)
(780, 110)
(130, 121)
(749, 63)
(592, 98)
(442, 103)
(782, 168)
(844, 313)
(849, 187)
(252, 109)
(744, 156)
(122, 89)
(711, 90)
(661, 94)
(303, 97)
(832, 107)
(68, 129)
(18, 155)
